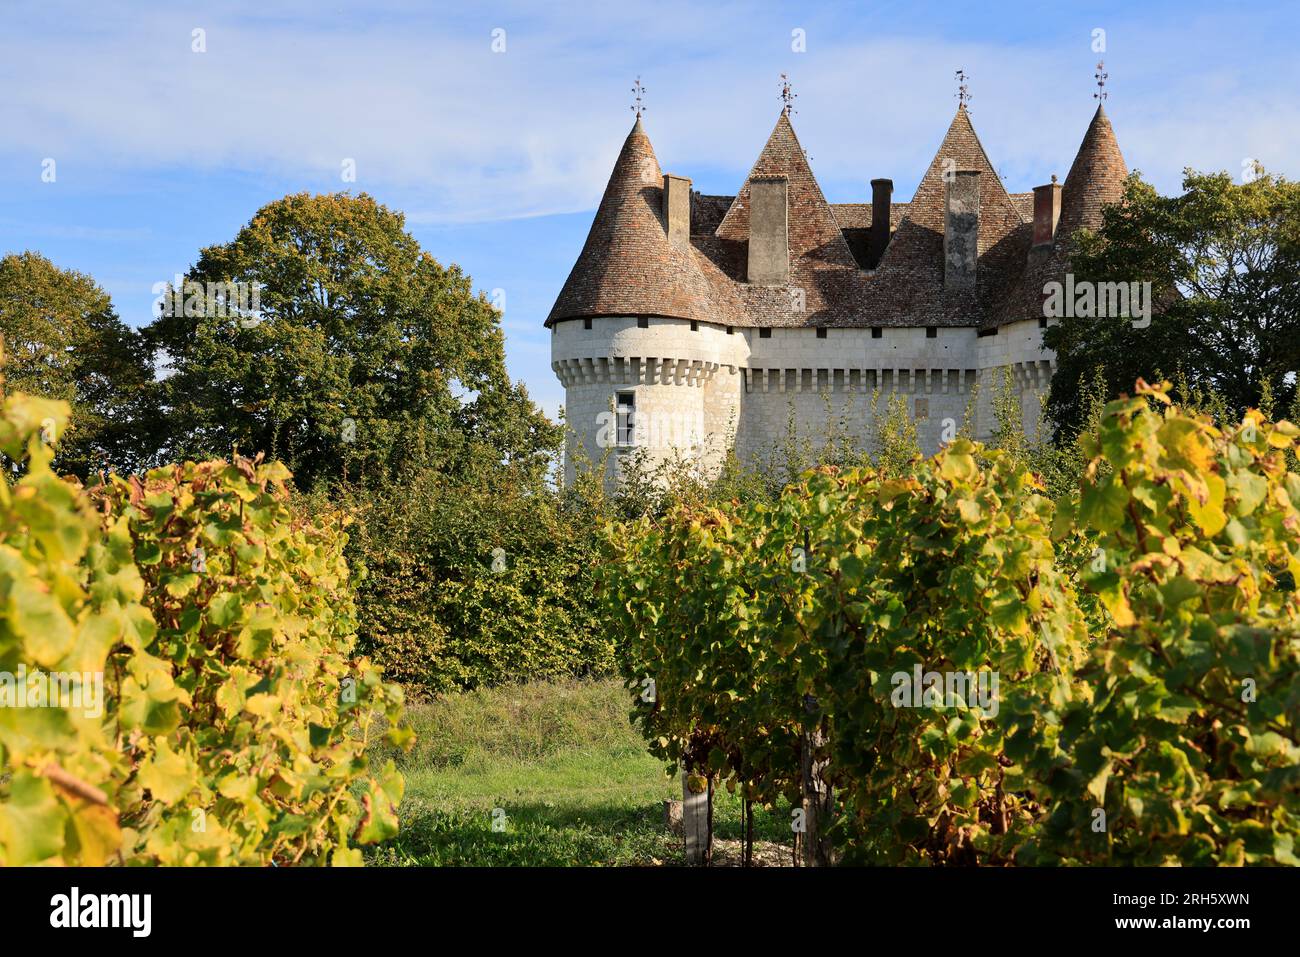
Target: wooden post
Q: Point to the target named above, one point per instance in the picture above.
(817, 798)
(695, 822)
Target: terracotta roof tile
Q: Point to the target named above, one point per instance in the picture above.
(628, 266)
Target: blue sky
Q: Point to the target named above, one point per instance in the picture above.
(499, 158)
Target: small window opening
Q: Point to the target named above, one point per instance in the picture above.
(623, 424)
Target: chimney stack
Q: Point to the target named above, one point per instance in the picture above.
(882, 195)
(1047, 212)
(677, 209)
(769, 237)
(961, 230)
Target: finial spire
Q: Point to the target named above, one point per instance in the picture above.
(787, 95)
(638, 105)
(1101, 76)
(963, 91)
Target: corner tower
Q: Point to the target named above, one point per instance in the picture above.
(640, 334)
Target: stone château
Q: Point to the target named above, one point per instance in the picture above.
(692, 323)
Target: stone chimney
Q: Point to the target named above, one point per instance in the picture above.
(769, 235)
(1047, 212)
(961, 230)
(677, 209)
(882, 195)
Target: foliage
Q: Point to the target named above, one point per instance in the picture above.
(68, 599)
(366, 360)
(234, 722)
(63, 340)
(1188, 739)
(467, 584)
(1224, 263)
(742, 625)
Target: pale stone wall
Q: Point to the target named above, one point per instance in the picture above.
(697, 391)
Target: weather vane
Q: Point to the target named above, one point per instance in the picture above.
(787, 95)
(638, 106)
(1101, 76)
(963, 91)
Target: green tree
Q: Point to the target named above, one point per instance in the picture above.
(1223, 260)
(362, 358)
(63, 340)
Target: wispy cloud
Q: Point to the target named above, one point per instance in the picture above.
(418, 99)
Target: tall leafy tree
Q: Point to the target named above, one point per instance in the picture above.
(363, 358)
(63, 340)
(1223, 259)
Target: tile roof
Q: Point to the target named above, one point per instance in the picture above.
(1096, 178)
(628, 267)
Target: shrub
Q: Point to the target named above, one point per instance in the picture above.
(466, 585)
(1150, 720)
(1186, 743)
(235, 720)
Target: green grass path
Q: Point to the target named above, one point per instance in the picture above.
(557, 767)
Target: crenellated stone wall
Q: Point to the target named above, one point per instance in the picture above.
(700, 389)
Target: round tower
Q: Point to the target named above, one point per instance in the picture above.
(636, 339)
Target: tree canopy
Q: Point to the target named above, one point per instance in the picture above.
(1223, 259)
(63, 340)
(362, 357)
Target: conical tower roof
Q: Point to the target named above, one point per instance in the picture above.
(628, 266)
(1096, 177)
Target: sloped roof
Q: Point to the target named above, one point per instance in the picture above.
(1096, 178)
(909, 282)
(628, 267)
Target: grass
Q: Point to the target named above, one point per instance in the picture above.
(558, 766)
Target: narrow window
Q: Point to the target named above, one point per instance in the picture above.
(730, 331)
(695, 326)
(821, 332)
(586, 323)
(1042, 323)
(876, 332)
(931, 332)
(765, 333)
(643, 322)
(623, 424)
